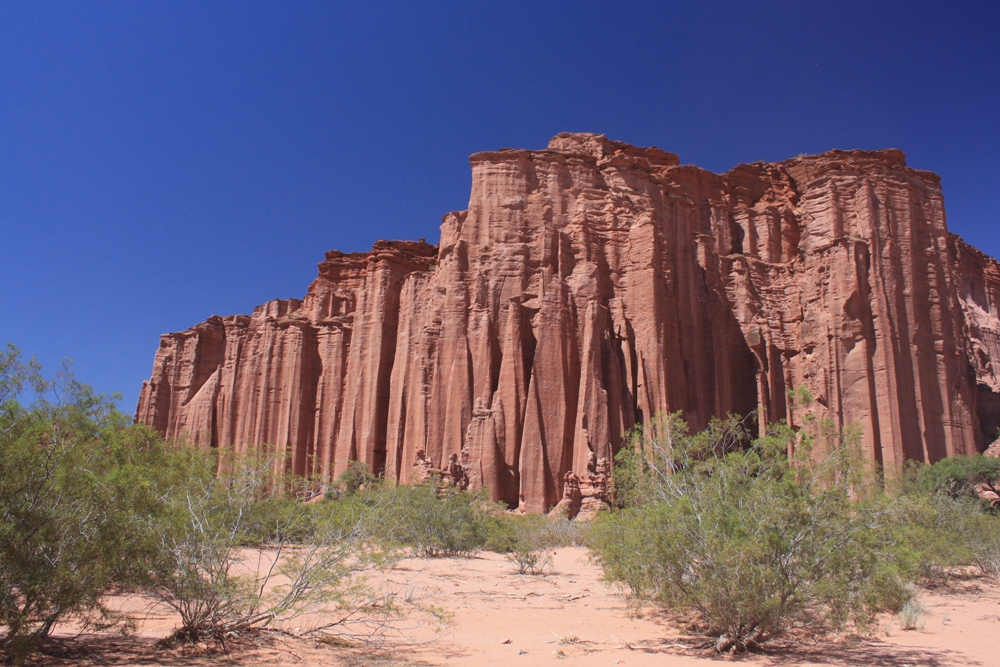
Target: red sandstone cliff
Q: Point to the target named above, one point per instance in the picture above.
(592, 285)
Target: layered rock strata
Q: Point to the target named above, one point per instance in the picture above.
(590, 286)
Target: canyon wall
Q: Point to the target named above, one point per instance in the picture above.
(592, 285)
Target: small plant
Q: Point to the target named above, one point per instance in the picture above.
(912, 615)
(355, 478)
(530, 561)
(526, 540)
(567, 639)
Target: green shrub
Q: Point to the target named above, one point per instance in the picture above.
(354, 479)
(91, 504)
(526, 540)
(435, 522)
(984, 543)
(275, 519)
(947, 524)
(227, 585)
(934, 528)
(663, 447)
(747, 545)
(959, 534)
(76, 478)
(962, 477)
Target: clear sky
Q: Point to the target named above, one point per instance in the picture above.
(163, 162)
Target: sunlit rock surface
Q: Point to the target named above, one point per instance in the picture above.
(590, 286)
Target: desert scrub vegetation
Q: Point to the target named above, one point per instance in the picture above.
(953, 518)
(92, 505)
(747, 543)
(748, 538)
(433, 520)
(975, 479)
(526, 540)
(226, 585)
(75, 478)
(744, 537)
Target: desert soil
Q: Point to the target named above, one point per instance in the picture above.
(567, 615)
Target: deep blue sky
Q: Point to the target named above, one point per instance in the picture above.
(161, 162)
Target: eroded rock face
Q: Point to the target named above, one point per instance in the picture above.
(584, 496)
(592, 285)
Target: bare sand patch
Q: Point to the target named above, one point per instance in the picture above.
(567, 615)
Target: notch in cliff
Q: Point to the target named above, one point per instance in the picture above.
(591, 285)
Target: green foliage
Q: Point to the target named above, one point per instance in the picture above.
(746, 538)
(947, 524)
(75, 479)
(277, 518)
(665, 447)
(225, 585)
(92, 504)
(962, 477)
(435, 522)
(982, 535)
(748, 545)
(800, 397)
(16, 374)
(356, 477)
(526, 540)
(933, 530)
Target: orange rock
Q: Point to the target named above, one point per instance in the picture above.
(592, 285)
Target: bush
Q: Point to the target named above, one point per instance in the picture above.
(356, 478)
(526, 540)
(962, 535)
(963, 477)
(984, 543)
(228, 586)
(934, 529)
(749, 546)
(567, 532)
(91, 504)
(665, 447)
(912, 615)
(435, 522)
(75, 478)
(947, 523)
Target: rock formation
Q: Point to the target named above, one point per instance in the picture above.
(453, 475)
(592, 285)
(585, 496)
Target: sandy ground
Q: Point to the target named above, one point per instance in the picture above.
(566, 616)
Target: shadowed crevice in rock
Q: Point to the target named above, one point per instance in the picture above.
(988, 413)
(592, 285)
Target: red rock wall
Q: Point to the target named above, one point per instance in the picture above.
(978, 285)
(592, 285)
